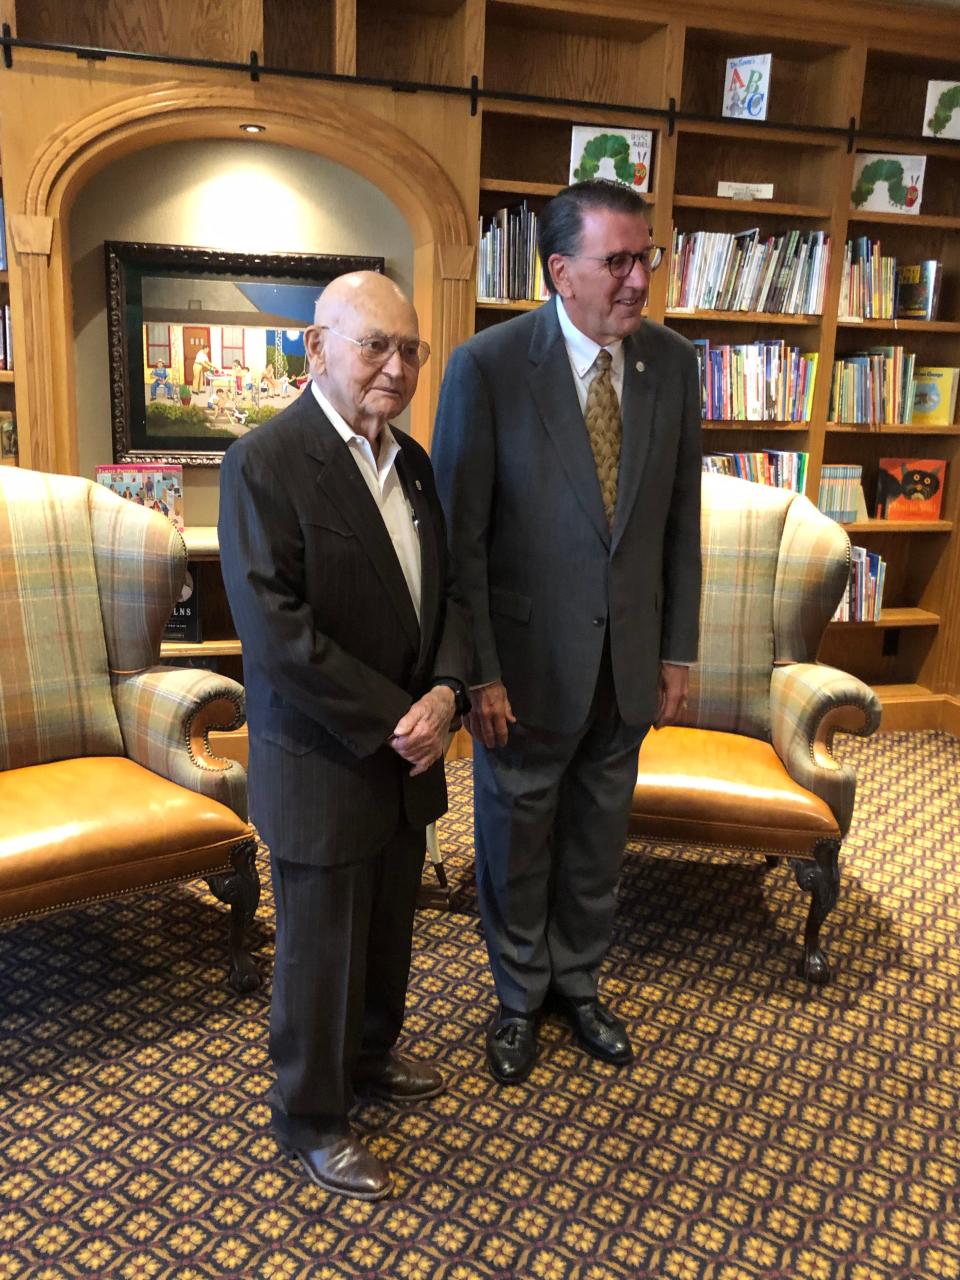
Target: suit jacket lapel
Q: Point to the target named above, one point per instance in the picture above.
(637, 412)
(342, 483)
(555, 394)
(430, 584)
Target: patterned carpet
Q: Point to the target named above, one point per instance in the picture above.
(765, 1129)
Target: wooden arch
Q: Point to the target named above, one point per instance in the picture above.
(312, 119)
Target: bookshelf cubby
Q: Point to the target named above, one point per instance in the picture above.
(823, 75)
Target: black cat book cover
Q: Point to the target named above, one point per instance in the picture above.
(910, 488)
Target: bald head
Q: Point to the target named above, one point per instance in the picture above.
(355, 306)
(370, 296)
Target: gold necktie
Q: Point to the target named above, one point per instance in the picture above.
(602, 414)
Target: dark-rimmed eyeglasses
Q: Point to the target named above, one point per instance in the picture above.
(377, 348)
(621, 264)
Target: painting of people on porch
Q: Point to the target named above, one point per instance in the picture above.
(221, 356)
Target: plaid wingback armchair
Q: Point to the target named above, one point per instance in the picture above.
(107, 782)
(750, 768)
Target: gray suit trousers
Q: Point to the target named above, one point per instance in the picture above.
(550, 814)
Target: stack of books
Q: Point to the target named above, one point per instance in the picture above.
(862, 599)
(508, 265)
(756, 382)
(868, 282)
(875, 385)
(780, 468)
(840, 496)
(716, 271)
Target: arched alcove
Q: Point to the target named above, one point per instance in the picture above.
(312, 119)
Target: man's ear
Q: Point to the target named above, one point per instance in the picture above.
(558, 268)
(313, 342)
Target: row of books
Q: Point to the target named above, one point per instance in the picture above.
(874, 287)
(508, 265)
(861, 602)
(6, 338)
(907, 489)
(717, 271)
(756, 382)
(784, 469)
(874, 385)
(3, 237)
(840, 495)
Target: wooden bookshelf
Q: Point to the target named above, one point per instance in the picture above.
(828, 71)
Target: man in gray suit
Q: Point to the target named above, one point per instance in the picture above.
(567, 454)
(355, 649)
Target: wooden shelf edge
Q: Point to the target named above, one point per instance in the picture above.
(741, 317)
(944, 221)
(7, 375)
(202, 542)
(890, 429)
(778, 208)
(750, 424)
(512, 304)
(899, 526)
(200, 649)
(898, 617)
(903, 326)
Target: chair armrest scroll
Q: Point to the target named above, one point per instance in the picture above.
(809, 703)
(166, 714)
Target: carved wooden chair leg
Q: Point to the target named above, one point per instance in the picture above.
(240, 889)
(822, 878)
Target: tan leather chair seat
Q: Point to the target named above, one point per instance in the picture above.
(701, 786)
(56, 846)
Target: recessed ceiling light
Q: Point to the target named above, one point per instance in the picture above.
(253, 128)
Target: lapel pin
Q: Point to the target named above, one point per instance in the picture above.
(418, 484)
(639, 366)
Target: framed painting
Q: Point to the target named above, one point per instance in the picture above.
(205, 345)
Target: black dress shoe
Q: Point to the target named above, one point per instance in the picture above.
(344, 1167)
(512, 1045)
(598, 1030)
(400, 1080)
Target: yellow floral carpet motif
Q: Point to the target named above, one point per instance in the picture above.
(764, 1129)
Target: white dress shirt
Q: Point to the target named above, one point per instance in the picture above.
(582, 354)
(380, 475)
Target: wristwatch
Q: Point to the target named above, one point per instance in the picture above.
(461, 703)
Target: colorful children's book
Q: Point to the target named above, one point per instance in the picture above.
(941, 115)
(157, 485)
(910, 488)
(935, 395)
(746, 87)
(887, 183)
(622, 155)
(918, 290)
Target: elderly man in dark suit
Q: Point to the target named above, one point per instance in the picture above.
(567, 454)
(355, 651)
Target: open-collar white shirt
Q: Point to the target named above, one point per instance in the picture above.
(381, 478)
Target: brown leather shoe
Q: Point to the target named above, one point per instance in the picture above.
(401, 1080)
(344, 1167)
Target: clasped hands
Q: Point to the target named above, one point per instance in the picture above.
(420, 737)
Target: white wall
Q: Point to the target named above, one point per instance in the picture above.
(245, 195)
